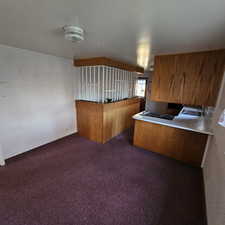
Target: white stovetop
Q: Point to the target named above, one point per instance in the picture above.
(198, 124)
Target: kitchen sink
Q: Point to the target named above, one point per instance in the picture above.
(161, 116)
(191, 112)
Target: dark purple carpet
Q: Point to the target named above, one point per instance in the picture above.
(74, 181)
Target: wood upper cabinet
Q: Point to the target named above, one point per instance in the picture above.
(190, 78)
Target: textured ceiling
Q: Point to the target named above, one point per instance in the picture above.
(129, 30)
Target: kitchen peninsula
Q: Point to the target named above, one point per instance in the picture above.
(183, 138)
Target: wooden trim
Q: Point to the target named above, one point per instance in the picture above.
(190, 53)
(107, 62)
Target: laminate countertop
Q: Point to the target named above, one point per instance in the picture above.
(183, 121)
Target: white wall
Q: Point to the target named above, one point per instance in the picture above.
(36, 99)
(214, 170)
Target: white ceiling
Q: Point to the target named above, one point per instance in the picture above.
(128, 30)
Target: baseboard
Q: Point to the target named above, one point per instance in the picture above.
(204, 200)
(38, 146)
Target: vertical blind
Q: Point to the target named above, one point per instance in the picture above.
(105, 84)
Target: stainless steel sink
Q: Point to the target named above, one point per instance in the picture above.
(191, 113)
(161, 116)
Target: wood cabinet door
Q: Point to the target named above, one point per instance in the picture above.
(192, 78)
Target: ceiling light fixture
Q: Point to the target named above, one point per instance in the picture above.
(143, 54)
(73, 33)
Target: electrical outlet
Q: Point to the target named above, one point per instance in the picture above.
(221, 121)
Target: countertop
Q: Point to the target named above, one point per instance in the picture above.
(198, 124)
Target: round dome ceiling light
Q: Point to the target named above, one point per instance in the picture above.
(73, 33)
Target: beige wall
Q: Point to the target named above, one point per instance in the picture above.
(214, 170)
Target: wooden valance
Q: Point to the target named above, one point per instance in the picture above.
(107, 62)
